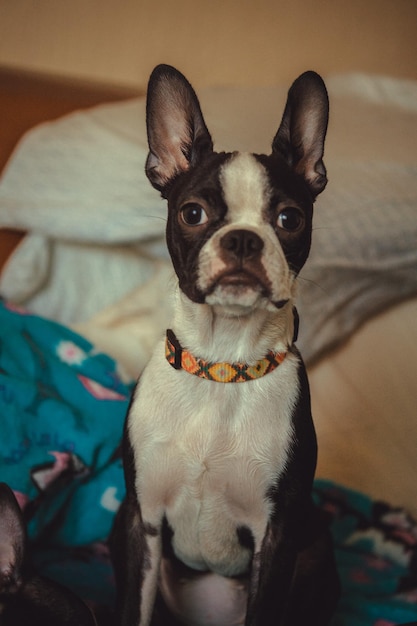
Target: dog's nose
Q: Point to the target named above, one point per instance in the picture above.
(242, 243)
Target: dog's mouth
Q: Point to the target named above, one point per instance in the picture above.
(241, 280)
(238, 287)
(242, 287)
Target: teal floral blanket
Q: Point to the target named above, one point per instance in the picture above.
(62, 410)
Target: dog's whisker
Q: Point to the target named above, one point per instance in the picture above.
(313, 282)
(156, 217)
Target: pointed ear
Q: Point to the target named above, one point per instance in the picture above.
(12, 541)
(300, 137)
(177, 133)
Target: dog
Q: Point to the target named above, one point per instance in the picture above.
(218, 526)
(27, 599)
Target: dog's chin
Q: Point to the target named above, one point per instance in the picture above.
(238, 297)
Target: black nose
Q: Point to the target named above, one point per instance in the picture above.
(243, 244)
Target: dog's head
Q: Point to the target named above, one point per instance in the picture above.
(239, 224)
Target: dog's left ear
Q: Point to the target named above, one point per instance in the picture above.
(300, 137)
(177, 133)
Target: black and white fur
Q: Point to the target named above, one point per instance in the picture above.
(218, 527)
(27, 599)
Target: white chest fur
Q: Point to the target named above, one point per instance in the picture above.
(206, 454)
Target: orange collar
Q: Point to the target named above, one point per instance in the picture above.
(221, 372)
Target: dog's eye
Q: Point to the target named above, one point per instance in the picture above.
(290, 219)
(193, 214)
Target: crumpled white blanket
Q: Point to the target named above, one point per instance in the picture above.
(95, 257)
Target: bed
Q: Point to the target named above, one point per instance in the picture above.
(75, 206)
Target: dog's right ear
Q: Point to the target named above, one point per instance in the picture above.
(177, 133)
(12, 541)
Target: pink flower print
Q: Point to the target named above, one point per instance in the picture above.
(408, 596)
(47, 474)
(99, 391)
(360, 576)
(378, 563)
(70, 353)
(62, 460)
(331, 508)
(407, 537)
(22, 499)
(15, 308)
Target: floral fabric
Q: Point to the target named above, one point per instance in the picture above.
(62, 409)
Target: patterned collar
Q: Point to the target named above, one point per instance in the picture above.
(222, 372)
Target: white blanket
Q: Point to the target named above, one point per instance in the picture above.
(95, 256)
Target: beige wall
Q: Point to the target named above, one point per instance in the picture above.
(213, 41)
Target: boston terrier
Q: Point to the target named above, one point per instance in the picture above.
(27, 599)
(218, 527)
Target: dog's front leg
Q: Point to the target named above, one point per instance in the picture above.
(136, 548)
(271, 577)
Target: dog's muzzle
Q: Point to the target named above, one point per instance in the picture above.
(241, 254)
